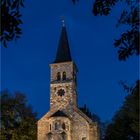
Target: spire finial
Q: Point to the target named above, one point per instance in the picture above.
(63, 21)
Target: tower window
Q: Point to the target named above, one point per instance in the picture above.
(84, 138)
(58, 76)
(64, 75)
(63, 126)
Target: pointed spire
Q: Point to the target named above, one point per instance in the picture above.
(63, 51)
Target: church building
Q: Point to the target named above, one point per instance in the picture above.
(65, 121)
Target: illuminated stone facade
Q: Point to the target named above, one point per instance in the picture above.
(65, 121)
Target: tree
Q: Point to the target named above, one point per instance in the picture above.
(128, 43)
(125, 124)
(10, 20)
(18, 121)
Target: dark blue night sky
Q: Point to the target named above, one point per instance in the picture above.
(25, 64)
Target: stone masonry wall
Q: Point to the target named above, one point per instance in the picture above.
(77, 125)
(77, 128)
(68, 67)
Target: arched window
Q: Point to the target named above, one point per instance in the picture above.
(63, 126)
(64, 75)
(58, 76)
(50, 127)
(56, 126)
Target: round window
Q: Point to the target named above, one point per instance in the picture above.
(61, 92)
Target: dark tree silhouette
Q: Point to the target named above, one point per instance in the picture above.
(128, 43)
(10, 20)
(125, 124)
(18, 121)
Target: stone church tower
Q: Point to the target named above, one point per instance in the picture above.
(65, 121)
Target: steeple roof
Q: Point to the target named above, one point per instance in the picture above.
(63, 51)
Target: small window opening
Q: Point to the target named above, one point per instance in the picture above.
(57, 125)
(84, 138)
(64, 75)
(63, 126)
(58, 76)
(50, 127)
